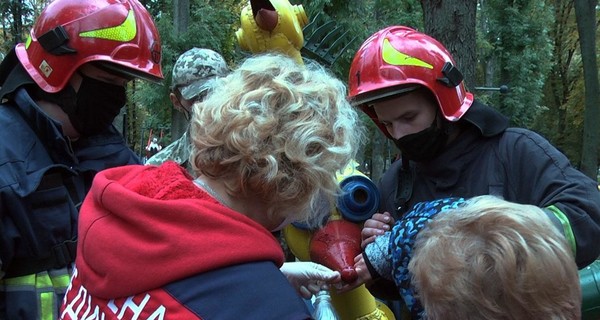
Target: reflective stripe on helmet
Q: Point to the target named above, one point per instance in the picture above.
(124, 32)
(70, 33)
(397, 58)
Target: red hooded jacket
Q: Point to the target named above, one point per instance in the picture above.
(153, 244)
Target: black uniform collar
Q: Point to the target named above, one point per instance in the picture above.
(482, 121)
(12, 76)
(48, 130)
(488, 120)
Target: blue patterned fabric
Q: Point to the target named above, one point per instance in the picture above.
(402, 240)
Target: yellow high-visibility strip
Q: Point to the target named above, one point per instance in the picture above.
(47, 306)
(45, 285)
(61, 281)
(124, 32)
(564, 221)
(394, 57)
(28, 280)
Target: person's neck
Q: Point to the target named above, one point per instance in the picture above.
(55, 112)
(252, 207)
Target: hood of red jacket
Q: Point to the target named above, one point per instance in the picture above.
(142, 227)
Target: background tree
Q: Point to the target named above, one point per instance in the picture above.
(181, 18)
(19, 12)
(561, 120)
(530, 45)
(585, 11)
(213, 24)
(519, 37)
(453, 24)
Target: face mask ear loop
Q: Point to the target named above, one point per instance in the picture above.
(83, 76)
(186, 114)
(182, 108)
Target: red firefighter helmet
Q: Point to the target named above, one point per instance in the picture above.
(394, 60)
(118, 34)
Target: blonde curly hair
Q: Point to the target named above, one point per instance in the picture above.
(494, 259)
(279, 131)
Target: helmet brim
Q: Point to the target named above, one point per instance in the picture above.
(382, 94)
(127, 73)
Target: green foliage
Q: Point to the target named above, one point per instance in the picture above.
(393, 12)
(361, 19)
(562, 121)
(520, 41)
(530, 45)
(16, 19)
(210, 27)
(575, 117)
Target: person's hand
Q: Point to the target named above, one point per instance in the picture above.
(309, 278)
(362, 270)
(376, 226)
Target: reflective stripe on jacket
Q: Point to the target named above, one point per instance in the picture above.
(43, 180)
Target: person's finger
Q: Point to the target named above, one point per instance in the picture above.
(366, 241)
(378, 224)
(305, 293)
(371, 232)
(314, 287)
(374, 224)
(388, 218)
(379, 219)
(348, 286)
(323, 272)
(320, 267)
(359, 270)
(335, 276)
(320, 272)
(338, 285)
(375, 227)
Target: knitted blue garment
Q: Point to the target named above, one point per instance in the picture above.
(402, 240)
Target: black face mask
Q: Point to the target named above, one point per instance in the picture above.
(97, 105)
(423, 146)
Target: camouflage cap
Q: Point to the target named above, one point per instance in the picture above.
(194, 69)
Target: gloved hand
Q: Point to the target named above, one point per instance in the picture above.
(308, 277)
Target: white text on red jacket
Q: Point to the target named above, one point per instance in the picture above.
(79, 304)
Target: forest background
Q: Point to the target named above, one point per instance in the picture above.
(544, 51)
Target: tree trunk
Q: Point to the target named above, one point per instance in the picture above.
(559, 81)
(181, 17)
(453, 24)
(585, 12)
(16, 7)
